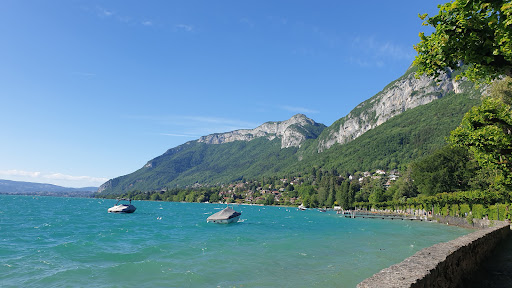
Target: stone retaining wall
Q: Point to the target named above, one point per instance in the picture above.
(462, 222)
(442, 265)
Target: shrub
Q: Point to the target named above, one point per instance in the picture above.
(469, 218)
(464, 210)
(479, 211)
(454, 210)
(446, 210)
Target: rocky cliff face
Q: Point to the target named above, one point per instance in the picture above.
(188, 163)
(293, 132)
(405, 93)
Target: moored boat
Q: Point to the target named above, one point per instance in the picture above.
(226, 216)
(302, 207)
(122, 208)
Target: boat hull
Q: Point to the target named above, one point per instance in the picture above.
(122, 209)
(224, 221)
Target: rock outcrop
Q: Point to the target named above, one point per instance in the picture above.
(292, 132)
(405, 93)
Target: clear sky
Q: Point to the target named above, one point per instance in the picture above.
(91, 90)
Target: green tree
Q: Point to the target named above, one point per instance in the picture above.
(201, 198)
(365, 191)
(476, 32)
(403, 187)
(214, 198)
(155, 197)
(313, 201)
(487, 131)
(306, 200)
(191, 197)
(375, 190)
(270, 200)
(329, 202)
(343, 194)
(353, 189)
(322, 195)
(446, 170)
(306, 190)
(502, 90)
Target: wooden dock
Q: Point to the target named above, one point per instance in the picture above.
(363, 214)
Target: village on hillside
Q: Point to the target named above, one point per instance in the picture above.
(291, 191)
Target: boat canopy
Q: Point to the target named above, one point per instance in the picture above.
(227, 213)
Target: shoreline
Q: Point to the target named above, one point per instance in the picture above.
(447, 264)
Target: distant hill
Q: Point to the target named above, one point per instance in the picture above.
(222, 158)
(30, 188)
(408, 119)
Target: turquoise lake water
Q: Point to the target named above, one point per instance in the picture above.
(74, 242)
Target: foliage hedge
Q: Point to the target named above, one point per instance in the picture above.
(493, 204)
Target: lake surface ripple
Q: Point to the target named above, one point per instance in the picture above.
(74, 242)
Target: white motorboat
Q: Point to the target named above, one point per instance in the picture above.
(122, 208)
(302, 207)
(225, 216)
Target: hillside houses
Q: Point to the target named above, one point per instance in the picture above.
(286, 190)
(321, 187)
(380, 174)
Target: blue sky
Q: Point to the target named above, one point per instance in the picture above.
(92, 90)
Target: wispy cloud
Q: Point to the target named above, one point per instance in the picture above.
(366, 62)
(20, 173)
(103, 12)
(192, 126)
(180, 135)
(106, 13)
(60, 176)
(247, 22)
(395, 51)
(223, 121)
(278, 20)
(372, 52)
(296, 109)
(184, 27)
(85, 74)
(47, 177)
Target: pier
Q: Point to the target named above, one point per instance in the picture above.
(376, 215)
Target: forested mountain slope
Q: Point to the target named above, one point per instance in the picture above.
(222, 158)
(394, 144)
(394, 127)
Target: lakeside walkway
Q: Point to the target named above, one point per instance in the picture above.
(496, 270)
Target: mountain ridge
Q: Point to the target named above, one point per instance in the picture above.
(286, 130)
(274, 146)
(233, 152)
(22, 187)
(402, 94)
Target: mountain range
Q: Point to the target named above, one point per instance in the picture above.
(31, 188)
(409, 118)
